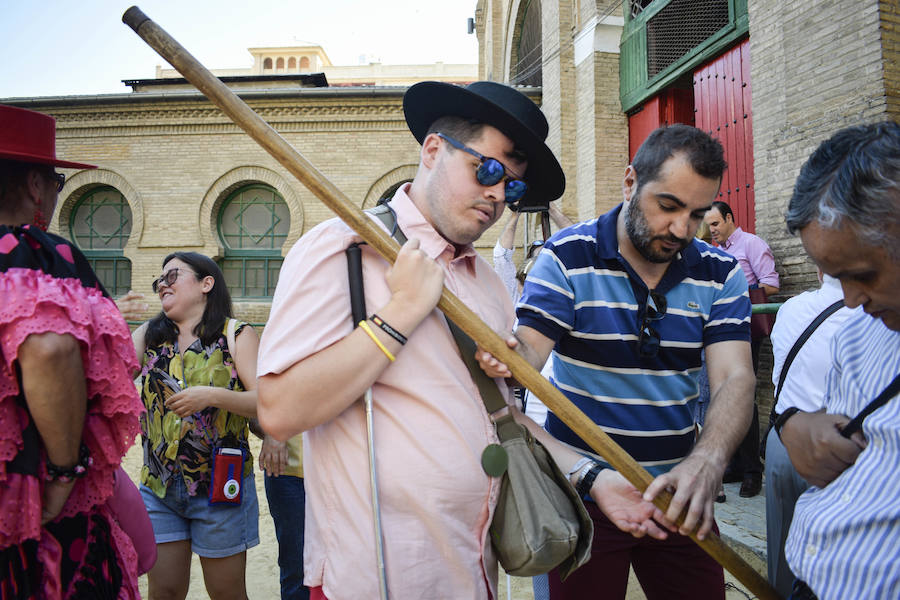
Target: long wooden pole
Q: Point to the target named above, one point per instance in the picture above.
(468, 321)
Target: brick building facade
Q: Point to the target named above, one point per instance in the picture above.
(176, 159)
(176, 174)
(178, 163)
(814, 67)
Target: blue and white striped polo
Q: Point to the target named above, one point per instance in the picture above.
(584, 295)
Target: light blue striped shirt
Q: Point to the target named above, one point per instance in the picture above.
(845, 539)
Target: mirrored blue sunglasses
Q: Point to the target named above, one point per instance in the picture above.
(491, 171)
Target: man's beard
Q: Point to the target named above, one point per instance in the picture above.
(638, 230)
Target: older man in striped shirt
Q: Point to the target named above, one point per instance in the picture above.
(845, 537)
(626, 302)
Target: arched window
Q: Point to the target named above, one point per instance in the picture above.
(100, 227)
(527, 69)
(253, 224)
(304, 63)
(389, 193)
(267, 63)
(279, 64)
(292, 63)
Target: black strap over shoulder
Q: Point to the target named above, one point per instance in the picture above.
(889, 392)
(830, 310)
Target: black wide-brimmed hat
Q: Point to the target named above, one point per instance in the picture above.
(500, 106)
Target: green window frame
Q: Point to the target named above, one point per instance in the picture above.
(100, 226)
(636, 81)
(253, 224)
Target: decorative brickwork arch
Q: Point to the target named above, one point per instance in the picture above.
(220, 190)
(388, 181)
(84, 184)
(523, 51)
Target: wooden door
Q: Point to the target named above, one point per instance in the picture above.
(722, 108)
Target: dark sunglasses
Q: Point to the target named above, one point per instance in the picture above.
(491, 171)
(59, 178)
(649, 340)
(167, 278)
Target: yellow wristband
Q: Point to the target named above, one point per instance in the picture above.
(367, 329)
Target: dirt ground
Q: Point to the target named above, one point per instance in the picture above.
(262, 561)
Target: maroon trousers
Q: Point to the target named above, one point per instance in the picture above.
(667, 570)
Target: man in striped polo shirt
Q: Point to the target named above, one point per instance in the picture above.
(845, 537)
(626, 302)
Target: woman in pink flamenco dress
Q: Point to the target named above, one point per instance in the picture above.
(68, 407)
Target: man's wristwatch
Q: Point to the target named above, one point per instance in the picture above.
(783, 417)
(584, 484)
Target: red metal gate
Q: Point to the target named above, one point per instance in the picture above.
(722, 108)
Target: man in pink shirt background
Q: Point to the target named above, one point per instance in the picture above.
(751, 250)
(758, 264)
(480, 145)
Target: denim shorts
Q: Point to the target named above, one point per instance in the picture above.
(215, 531)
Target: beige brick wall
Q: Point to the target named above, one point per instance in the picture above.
(815, 67)
(176, 162)
(890, 44)
(558, 90)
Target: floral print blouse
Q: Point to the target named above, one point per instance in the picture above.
(183, 447)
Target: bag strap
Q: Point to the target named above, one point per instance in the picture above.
(229, 336)
(487, 388)
(889, 392)
(795, 349)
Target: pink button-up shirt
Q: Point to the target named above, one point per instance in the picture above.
(430, 427)
(755, 257)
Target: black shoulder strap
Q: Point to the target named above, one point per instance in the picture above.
(889, 392)
(490, 395)
(830, 310)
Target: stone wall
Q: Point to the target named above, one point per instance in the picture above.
(815, 67)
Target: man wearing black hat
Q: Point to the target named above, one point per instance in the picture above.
(482, 147)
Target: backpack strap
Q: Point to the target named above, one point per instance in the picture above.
(386, 215)
(229, 336)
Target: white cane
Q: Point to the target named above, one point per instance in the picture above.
(376, 506)
(358, 312)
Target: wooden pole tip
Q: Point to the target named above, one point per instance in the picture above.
(134, 17)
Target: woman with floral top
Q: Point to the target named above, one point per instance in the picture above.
(199, 394)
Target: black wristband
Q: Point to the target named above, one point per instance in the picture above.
(583, 487)
(388, 329)
(783, 417)
(68, 474)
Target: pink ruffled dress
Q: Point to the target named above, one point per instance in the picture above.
(46, 285)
